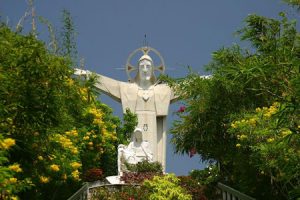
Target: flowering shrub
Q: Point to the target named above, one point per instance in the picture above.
(52, 128)
(274, 146)
(10, 184)
(93, 174)
(181, 109)
(193, 187)
(145, 166)
(141, 171)
(137, 177)
(209, 175)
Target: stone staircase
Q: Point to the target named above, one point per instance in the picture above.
(87, 190)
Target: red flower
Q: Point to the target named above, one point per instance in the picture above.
(130, 198)
(192, 152)
(181, 109)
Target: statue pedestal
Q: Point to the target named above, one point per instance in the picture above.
(114, 180)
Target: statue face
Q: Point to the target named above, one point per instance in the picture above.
(145, 69)
(139, 136)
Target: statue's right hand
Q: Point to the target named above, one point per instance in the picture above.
(80, 72)
(121, 146)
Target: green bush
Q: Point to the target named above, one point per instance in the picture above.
(145, 166)
(166, 188)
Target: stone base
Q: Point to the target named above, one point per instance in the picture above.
(114, 180)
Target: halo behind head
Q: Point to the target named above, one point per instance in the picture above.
(132, 68)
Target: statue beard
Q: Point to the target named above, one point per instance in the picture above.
(148, 78)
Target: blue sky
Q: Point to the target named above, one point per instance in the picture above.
(185, 33)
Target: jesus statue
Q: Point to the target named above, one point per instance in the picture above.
(145, 97)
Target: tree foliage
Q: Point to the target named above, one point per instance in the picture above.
(294, 3)
(265, 76)
(68, 35)
(166, 188)
(53, 131)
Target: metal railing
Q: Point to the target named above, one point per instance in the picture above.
(81, 194)
(229, 193)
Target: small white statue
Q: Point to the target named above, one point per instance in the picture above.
(137, 151)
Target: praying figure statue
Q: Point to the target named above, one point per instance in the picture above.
(137, 151)
(145, 96)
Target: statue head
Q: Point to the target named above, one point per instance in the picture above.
(137, 135)
(145, 70)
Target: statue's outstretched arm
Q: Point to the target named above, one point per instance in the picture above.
(174, 97)
(109, 86)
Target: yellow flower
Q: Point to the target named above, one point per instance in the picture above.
(114, 137)
(54, 167)
(286, 132)
(90, 143)
(7, 143)
(40, 158)
(233, 125)
(252, 121)
(68, 133)
(265, 108)
(69, 81)
(74, 150)
(75, 165)
(238, 145)
(75, 174)
(44, 179)
(242, 137)
(64, 141)
(86, 137)
(72, 133)
(13, 180)
(97, 121)
(14, 198)
(270, 140)
(15, 168)
(272, 109)
(268, 114)
(257, 109)
(51, 157)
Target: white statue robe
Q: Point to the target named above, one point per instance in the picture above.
(151, 107)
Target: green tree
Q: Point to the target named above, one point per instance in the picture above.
(243, 80)
(52, 128)
(68, 35)
(294, 3)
